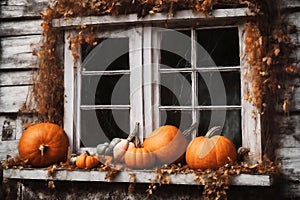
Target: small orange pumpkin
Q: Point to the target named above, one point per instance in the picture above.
(210, 151)
(168, 143)
(139, 158)
(43, 144)
(86, 161)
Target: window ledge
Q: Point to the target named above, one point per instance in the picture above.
(142, 176)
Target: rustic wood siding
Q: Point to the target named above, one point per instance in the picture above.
(289, 125)
(20, 33)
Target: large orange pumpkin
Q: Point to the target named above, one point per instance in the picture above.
(168, 143)
(210, 151)
(43, 144)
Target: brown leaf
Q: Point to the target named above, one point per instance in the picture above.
(51, 185)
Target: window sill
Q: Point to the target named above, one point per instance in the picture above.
(142, 176)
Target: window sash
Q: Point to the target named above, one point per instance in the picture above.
(195, 108)
(73, 84)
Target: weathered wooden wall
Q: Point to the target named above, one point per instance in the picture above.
(289, 125)
(20, 30)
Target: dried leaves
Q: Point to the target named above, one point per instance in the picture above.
(215, 182)
(269, 53)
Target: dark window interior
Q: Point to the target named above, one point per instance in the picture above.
(101, 125)
(221, 44)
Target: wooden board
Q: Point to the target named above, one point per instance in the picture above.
(293, 18)
(291, 4)
(13, 98)
(8, 148)
(16, 52)
(12, 78)
(24, 27)
(23, 8)
(290, 163)
(142, 176)
(295, 102)
(187, 15)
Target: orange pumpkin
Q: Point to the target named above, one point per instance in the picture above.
(139, 158)
(210, 151)
(168, 143)
(86, 161)
(43, 144)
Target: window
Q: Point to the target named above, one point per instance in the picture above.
(180, 75)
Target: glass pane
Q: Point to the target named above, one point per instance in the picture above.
(221, 44)
(175, 49)
(99, 126)
(219, 88)
(230, 120)
(176, 89)
(108, 54)
(105, 90)
(179, 118)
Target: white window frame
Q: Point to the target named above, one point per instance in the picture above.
(250, 121)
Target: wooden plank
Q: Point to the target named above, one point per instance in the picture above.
(288, 134)
(294, 18)
(148, 82)
(25, 2)
(13, 98)
(295, 102)
(251, 119)
(290, 4)
(24, 27)
(17, 121)
(23, 8)
(8, 148)
(136, 79)
(69, 94)
(11, 78)
(158, 17)
(290, 163)
(124, 176)
(16, 52)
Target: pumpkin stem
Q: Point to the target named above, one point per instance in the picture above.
(137, 142)
(43, 148)
(87, 153)
(134, 132)
(190, 129)
(216, 130)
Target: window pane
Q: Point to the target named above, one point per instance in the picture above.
(176, 89)
(212, 85)
(105, 90)
(99, 126)
(230, 120)
(221, 44)
(179, 118)
(109, 54)
(175, 49)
